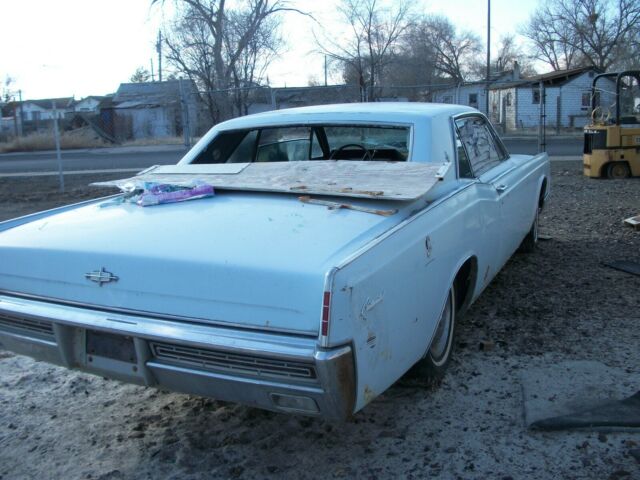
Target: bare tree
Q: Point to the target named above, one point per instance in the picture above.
(551, 43)
(6, 93)
(215, 45)
(568, 33)
(373, 33)
(509, 53)
(629, 56)
(450, 52)
(140, 75)
(249, 71)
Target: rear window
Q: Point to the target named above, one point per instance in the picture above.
(304, 143)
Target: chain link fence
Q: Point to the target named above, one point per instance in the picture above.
(177, 112)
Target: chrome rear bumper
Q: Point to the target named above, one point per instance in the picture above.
(272, 371)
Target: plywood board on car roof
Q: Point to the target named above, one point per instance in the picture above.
(360, 179)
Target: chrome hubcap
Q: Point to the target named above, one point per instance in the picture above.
(442, 338)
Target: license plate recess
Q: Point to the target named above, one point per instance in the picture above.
(109, 345)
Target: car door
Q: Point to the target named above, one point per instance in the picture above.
(486, 202)
(490, 164)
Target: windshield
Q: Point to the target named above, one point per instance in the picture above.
(630, 100)
(303, 143)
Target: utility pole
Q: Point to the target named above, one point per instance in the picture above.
(488, 54)
(56, 134)
(21, 114)
(186, 119)
(153, 77)
(325, 70)
(159, 49)
(542, 122)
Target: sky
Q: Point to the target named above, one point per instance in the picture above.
(88, 47)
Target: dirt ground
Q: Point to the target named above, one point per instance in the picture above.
(557, 304)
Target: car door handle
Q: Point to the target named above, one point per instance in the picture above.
(501, 188)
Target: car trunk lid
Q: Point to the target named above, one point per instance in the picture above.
(253, 260)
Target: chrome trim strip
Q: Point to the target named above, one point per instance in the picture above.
(26, 326)
(149, 328)
(214, 360)
(25, 338)
(253, 381)
(160, 316)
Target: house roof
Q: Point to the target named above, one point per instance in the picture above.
(563, 75)
(556, 78)
(130, 95)
(550, 79)
(107, 101)
(98, 98)
(46, 103)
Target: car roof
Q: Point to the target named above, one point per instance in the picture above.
(386, 112)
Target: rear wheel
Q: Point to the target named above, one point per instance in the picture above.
(432, 366)
(618, 170)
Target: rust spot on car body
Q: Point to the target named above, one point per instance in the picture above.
(369, 395)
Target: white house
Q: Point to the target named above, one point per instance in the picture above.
(39, 110)
(154, 109)
(567, 99)
(88, 104)
(514, 103)
(7, 123)
(473, 94)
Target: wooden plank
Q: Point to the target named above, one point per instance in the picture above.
(338, 205)
(360, 179)
(199, 169)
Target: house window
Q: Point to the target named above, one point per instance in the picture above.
(35, 116)
(508, 99)
(586, 100)
(473, 100)
(447, 99)
(536, 96)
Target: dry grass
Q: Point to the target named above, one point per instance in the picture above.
(143, 142)
(45, 141)
(80, 138)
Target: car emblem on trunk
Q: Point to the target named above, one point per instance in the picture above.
(101, 276)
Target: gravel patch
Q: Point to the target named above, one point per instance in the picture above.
(558, 304)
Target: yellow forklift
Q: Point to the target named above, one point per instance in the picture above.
(612, 144)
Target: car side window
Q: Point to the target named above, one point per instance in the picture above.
(479, 144)
(245, 150)
(284, 144)
(464, 167)
(316, 148)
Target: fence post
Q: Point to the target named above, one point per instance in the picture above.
(558, 111)
(274, 102)
(186, 121)
(21, 114)
(56, 134)
(542, 120)
(15, 120)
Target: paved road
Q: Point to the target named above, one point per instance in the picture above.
(141, 157)
(94, 159)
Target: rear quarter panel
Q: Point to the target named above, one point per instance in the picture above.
(387, 300)
(388, 297)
